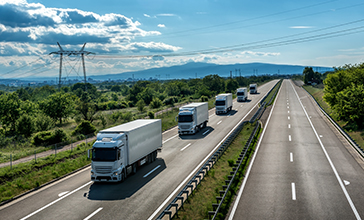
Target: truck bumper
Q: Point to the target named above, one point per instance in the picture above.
(181, 132)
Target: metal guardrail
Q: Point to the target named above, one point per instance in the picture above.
(178, 201)
(337, 126)
(231, 178)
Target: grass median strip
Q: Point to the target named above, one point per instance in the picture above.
(201, 200)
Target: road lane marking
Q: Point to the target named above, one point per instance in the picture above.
(289, 118)
(170, 138)
(330, 162)
(206, 132)
(150, 172)
(219, 122)
(186, 147)
(235, 206)
(55, 201)
(291, 157)
(287, 106)
(288, 112)
(289, 125)
(92, 214)
(321, 136)
(346, 182)
(293, 191)
(289, 138)
(62, 194)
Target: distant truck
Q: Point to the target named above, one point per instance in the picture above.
(192, 117)
(120, 150)
(253, 88)
(223, 103)
(242, 94)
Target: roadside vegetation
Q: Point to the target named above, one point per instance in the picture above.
(34, 119)
(200, 201)
(342, 96)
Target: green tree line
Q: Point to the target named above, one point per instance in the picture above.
(344, 92)
(36, 112)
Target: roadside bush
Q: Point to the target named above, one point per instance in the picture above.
(45, 138)
(43, 122)
(170, 100)
(151, 115)
(25, 125)
(84, 128)
(140, 105)
(204, 98)
(156, 103)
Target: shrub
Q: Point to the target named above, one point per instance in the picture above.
(170, 100)
(25, 125)
(141, 104)
(151, 115)
(49, 137)
(204, 98)
(84, 128)
(156, 103)
(43, 122)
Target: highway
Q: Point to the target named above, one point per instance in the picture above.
(140, 196)
(302, 168)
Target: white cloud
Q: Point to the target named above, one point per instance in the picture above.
(166, 15)
(146, 15)
(300, 27)
(161, 25)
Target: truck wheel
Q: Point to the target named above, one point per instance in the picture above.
(205, 124)
(134, 168)
(155, 155)
(122, 177)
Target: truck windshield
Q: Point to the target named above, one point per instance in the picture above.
(252, 87)
(220, 103)
(103, 154)
(240, 93)
(185, 118)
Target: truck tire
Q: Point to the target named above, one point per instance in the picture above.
(155, 153)
(134, 168)
(205, 124)
(122, 176)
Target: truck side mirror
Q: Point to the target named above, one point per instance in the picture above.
(88, 153)
(176, 118)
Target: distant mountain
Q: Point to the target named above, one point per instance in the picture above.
(193, 69)
(199, 70)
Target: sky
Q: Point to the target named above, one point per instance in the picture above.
(131, 35)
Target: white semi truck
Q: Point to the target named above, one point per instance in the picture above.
(120, 150)
(242, 94)
(253, 88)
(223, 103)
(192, 117)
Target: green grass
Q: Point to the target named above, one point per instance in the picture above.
(201, 200)
(26, 176)
(270, 95)
(317, 92)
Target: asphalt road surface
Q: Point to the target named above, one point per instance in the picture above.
(302, 169)
(143, 195)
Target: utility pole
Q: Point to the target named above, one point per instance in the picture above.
(231, 74)
(69, 53)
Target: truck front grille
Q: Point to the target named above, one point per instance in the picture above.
(103, 169)
(185, 127)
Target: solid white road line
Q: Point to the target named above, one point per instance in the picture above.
(151, 171)
(235, 206)
(55, 201)
(198, 166)
(185, 147)
(291, 157)
(293, 191)
(92, 214)
(170, 138)
(329, 159)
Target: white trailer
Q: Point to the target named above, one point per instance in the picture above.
(120, 150)
(223, 103)
(242, 94)
(192, 117)
(253, 88)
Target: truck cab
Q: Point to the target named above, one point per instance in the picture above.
(108, 158)
(253, 88)
(242, 94)
(186, 118)
(223, 103)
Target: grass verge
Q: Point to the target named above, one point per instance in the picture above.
(30, 175)
(201, 200)
(317, 92)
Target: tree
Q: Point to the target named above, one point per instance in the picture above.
(10, 110)
(231, 85)
(310, 76)
(214, 83)
(156, 103)
(140, 105)
(85, 107)
(25, 125)
(58, 106)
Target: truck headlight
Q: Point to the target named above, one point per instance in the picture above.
(92, 172)
(116, 173)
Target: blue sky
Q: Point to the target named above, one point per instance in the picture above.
(140, 34)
